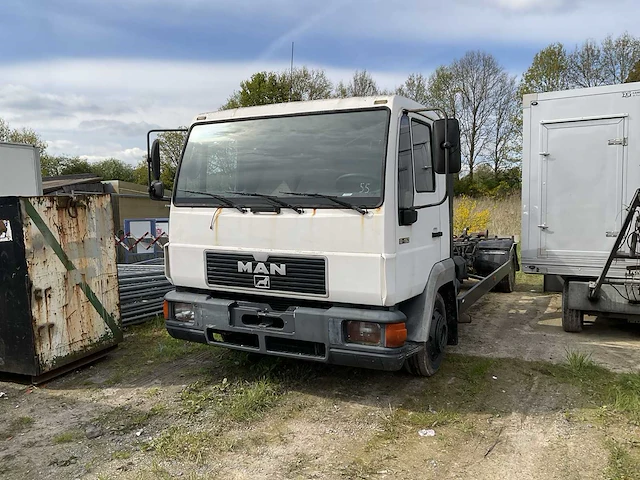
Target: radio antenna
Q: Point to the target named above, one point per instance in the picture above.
(291, 74)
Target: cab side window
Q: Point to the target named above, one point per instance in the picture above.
(405, 167)
(423, 161)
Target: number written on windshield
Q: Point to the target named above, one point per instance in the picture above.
(365, 187)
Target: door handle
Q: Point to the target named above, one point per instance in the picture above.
(436, 234)
(543, 227)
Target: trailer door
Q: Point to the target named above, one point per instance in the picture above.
(582, 162)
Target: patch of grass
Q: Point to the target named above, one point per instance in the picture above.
(239, 401)
(185, 444)
(579, 363)
(124, 419)
(121, 455)
(16, 426)
(67, 437)
(24, 421)
(622, 465)
(252, 400)
(152, 392)
(612, 393)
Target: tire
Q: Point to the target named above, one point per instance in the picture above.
(508, 283)
(427, 362)
(572, 320)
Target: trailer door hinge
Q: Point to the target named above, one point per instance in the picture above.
(543, 227)
(619, 141)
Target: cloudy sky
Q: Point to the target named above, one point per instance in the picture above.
(92, 76)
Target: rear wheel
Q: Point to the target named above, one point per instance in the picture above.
(427, 362)
(572, 320)
(508, 283)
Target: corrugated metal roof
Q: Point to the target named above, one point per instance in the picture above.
(52, 184)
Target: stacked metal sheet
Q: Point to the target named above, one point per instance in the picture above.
(142, 291)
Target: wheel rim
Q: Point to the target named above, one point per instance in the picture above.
(439, 333)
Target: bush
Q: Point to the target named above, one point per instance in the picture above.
(467, 215)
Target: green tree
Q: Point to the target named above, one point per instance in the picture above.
(113, 169)
(585, 67)
(548, 72)
(634, 75)
(265, 88)
(361, 84)
(482, 96)
(171, 144)
(415, 87)
(22, 135)
(74, 166)
(619, 55)
(141, 172)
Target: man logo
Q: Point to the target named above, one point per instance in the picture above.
(261, 268)
(261, 272)
(262, 281)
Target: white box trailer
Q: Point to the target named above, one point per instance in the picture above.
(580, 172)
(20, 165)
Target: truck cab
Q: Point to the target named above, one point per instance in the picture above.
(318, 230)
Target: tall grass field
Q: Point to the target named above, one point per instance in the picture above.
(501, 216)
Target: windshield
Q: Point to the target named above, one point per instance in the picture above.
(333, 154)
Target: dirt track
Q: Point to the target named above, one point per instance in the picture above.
(158, 408)
(528, 325)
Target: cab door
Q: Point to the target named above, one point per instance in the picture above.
(420, 245)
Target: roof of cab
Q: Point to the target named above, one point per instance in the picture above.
(292, 108)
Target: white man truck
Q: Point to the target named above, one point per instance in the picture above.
(322, 230)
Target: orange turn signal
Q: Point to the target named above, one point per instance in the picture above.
(395, 334)
(165, 310)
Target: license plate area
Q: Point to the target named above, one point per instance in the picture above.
(263, 318)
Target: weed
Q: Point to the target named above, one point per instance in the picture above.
(24, 421)
(121, 455)
(578, 362)
(67, 437)
(622, 466)
(185, 444)
(123, 419)
(16, 426)
(239, 401)
(252, 399)
(152, 392)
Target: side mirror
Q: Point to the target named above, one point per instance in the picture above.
(156, 190)
(408, 216)
(443, 142)
(154, 159)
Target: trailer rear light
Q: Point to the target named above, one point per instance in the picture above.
(165, 310)
(183, 312)
(365, 333)
(395, 335)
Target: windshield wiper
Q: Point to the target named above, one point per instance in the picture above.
(329, 197)
(275, 200)
(220, 198)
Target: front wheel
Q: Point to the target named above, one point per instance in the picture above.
(427, 362)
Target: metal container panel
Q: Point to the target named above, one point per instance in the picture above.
(16, 336)
(72, 270)
(578, 174)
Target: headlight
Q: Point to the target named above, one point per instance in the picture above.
(184, 312)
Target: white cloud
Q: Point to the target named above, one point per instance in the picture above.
(99, 109)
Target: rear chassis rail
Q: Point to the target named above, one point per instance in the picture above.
(488, 260)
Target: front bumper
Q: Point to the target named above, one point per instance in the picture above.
(315, 334)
